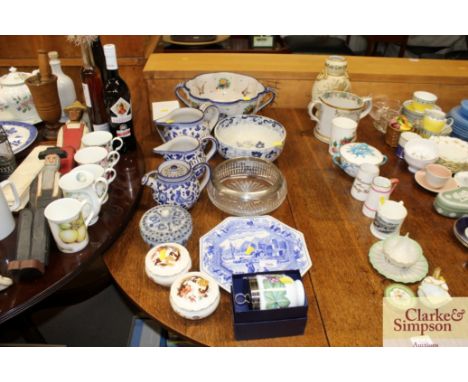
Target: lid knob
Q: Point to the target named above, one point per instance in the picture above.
(12, 69)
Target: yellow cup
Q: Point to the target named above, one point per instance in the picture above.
(435, 120)
(423, 100)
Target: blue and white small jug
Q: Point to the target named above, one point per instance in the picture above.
(189, 150)
(175, 183)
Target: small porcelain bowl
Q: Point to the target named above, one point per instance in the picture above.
(461, 178)
(401, 251)
(194, 295)
(419, 153)
(165, 262)
(250, 136)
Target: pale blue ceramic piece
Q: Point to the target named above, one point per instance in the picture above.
(20, 135)
(250, 136)
(251, 244)
(166, 224)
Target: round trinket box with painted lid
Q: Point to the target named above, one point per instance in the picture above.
(194, 295)
(166, 224)
(165, 262)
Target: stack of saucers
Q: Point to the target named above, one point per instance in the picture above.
(460, 120)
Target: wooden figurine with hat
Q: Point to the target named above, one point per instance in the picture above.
(69, 136)
(33, 238)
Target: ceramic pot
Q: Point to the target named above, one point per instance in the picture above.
(16, 102)
(232, 93)
(188, 149)
(175, 183)
(196, 123)
(334, 104)
(333, 77)
(353, 155)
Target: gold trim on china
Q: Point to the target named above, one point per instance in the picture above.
(343, 108)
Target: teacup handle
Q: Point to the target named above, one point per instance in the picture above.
(113, 157)
(394, 182)
(91, 214)
(368, 102)
(148, 176)
(449, 122)
(214, 146)
(106, 187)
(17, 201)
(110, 178)
(269, 94)
(184, 99)
(310, 108)
(120, 142)
(210, 114)
(384, 160)
(206, 177)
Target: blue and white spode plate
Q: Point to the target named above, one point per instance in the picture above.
(251, 244)
(20, 135)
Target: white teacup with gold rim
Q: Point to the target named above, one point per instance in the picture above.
(102, 139)
(98, 171)
(423, 100)
(97, 155)
(334, 104)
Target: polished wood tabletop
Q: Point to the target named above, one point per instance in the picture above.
(124, 194)
(343, 289)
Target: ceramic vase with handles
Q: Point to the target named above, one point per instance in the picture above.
(175, 183)
(334, 104)
(380, 191)
(7, 223)
(188, 149)
(197, 123)
(333, 77)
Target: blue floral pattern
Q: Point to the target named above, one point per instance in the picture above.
(251, 244)
(20, 135)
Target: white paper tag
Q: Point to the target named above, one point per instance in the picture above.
(160, 109)
(87, 97)
(268, 264)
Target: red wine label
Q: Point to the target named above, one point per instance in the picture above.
(122, 110)
(101, 127)
(123, 131)
(87, 96)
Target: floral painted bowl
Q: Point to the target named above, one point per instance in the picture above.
(352, 155)
(250, 136)
(232, 93)
(453, 153)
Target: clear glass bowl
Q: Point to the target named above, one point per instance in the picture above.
(247, 187)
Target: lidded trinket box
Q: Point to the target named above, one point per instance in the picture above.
(194, 295)
(166, 224)
(165, 262)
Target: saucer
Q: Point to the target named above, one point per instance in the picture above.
(403, 275)
(420, 178)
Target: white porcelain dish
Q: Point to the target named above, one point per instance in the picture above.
(419, 153)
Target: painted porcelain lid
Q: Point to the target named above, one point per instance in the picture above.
(14, 78)
(400, 296)
(165, 224)
(359, 153)
(454, 200)
(167, 259)
(174, 169)
(194, 292)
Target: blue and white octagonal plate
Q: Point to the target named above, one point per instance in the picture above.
(20, 135)
(251, 244)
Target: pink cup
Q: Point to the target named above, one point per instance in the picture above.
(437, 175)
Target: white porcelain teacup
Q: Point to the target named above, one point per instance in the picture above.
(102, 139)
(388, 219)
(437, 175)
(334, 104)
(7, 222)
(98, 171)
(82, 185)
(97, 155)
(66, 222)
(435, 120)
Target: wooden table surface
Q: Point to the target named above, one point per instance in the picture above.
(344, 291)
(124, 193)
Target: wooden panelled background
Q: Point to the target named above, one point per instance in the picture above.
(132, 51)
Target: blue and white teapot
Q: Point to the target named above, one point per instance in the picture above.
(175, 183)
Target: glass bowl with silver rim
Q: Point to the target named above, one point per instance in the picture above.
(247, 186)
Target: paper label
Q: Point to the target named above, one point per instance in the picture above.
(267, 264)
(123, 131)
(86, 94)
(101, 127)
(122, 110)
